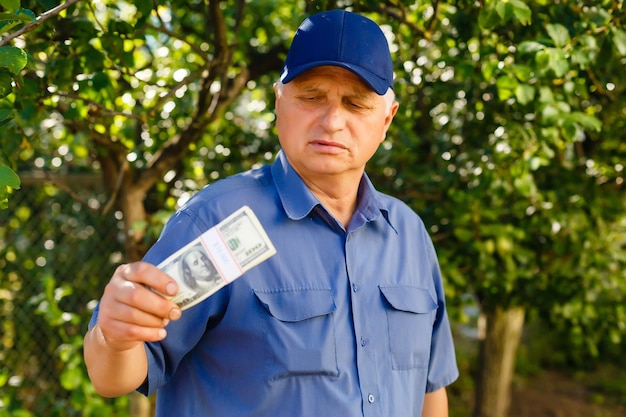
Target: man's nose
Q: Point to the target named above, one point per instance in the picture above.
(333, 117)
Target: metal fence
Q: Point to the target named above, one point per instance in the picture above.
(57, 251)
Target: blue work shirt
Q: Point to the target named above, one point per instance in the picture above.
(337, 323)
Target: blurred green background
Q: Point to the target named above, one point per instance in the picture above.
(509, 142)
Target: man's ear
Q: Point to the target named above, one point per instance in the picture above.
(277, 95)
(390, 115)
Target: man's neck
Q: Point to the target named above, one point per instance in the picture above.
(340, 198)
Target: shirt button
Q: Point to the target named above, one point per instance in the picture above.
(371, 398)
(355, 287)
(363, 342)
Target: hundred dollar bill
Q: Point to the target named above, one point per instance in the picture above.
(218, 257)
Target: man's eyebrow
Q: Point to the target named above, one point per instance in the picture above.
(310, 88)
(359, 95)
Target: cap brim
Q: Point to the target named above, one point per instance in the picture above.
(376, 83)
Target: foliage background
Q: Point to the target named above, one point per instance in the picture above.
(509, 143)
(53, 252)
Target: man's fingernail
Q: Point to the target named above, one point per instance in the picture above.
(170, 288)
(162, 333)
(175, 314)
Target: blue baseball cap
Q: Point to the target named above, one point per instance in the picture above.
(343, 39)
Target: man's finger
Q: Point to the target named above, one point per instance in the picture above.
(150, 275)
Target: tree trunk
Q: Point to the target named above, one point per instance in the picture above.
(133, 209)
(497, 361)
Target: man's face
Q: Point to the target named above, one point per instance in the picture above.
(330, 123)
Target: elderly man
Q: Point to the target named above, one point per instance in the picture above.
(347, 319)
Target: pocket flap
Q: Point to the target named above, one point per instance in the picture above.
(297, 305)
(410, 299)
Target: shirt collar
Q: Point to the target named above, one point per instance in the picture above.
(298, 200)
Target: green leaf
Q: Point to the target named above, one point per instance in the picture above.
(537, 162)
(488, 69)
(119, 27)
(597, 16)
(464, 235)
(144, 7)
(563, 106)
(521, 11)
(525, 93)
(27, 13)
(506, 86)
(586, 121)
(571, 131)
(21, 413)
(5, 115)
(12, 58)
(5, 83)
(6, 27)
(71, 378)
(10, 5)
(529, 47)
(619, 40)
(13, 16)
(546, 95)
(100, 81)
(522, 72)
(542, 59)
(92, 60)
(558, 62)
(558, 33)
(4, 199)
(525, 184)
(8, 178)
(549, 114)
(504, 10)
(488, 17)
(581, 58)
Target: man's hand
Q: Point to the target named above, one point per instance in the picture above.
(129, 314)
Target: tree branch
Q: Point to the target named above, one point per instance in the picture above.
(42, 18)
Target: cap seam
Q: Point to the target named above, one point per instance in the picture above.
(343, 26)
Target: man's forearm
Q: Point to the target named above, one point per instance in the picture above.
(436, 404)
(113, 373)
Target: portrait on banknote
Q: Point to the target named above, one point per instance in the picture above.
(196, 275)
(197, 270)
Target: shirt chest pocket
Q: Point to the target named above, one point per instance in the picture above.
(411, 315)
(299, 333)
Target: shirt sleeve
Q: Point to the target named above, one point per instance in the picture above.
(442, 369)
